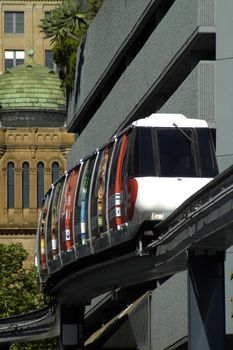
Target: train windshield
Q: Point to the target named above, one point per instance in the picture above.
(172, 152)
(177, 152)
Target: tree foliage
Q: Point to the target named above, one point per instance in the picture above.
(67, 20)
(48, 344)
(64, 56)
(19, 291)
(65, 26)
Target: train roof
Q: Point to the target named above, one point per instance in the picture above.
(170, 120)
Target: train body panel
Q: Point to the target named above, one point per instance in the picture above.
(140, 176)
(157, 197)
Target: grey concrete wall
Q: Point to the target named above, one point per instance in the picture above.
(224, 82)
(185, 19)
(229, 290)
(195, 97)
(224, 112)
(224, 118)
(169, 312)
(106, 37)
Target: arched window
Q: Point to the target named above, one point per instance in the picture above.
(55, 171)
(10, 185)
(25, 185)
(40, 184)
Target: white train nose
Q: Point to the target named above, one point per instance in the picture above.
(158, 197)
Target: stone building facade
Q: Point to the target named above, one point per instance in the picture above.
(33, 146)
(19, 31)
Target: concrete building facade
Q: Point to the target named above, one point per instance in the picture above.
(20, 32)
(141, 57)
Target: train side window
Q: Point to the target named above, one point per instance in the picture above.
(112, 184)
(125, 167)
(66, 230)
(66, 221)
(81, 205)
(48, 228)
(94, 198)
(121, 190)
(114, 163)
(42, 231)
(117, 199)
(176, 152)
(76, 214)
(53, 225)
(62, 216)
(207, 160)
(142, 156)
(70, 202)
(98, 205)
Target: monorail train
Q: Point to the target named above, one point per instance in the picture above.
(135, 180)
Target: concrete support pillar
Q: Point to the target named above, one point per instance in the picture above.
(206, 301)
(72, 327)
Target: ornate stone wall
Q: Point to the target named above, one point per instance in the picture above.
(31, 145)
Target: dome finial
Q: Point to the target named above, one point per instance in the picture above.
(30, 53)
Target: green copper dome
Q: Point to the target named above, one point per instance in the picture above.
(31, 87)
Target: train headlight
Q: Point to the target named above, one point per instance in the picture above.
(157, 216)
